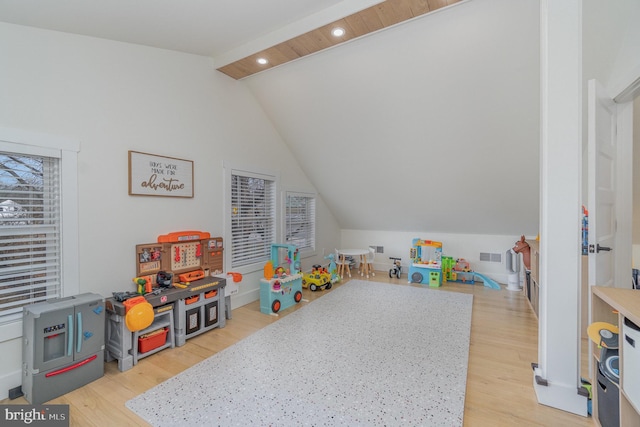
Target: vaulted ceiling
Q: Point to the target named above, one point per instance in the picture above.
(278, 31)
(427, 125)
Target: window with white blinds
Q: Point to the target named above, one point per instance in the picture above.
(30, 232)
(253, 218)
(300, 220)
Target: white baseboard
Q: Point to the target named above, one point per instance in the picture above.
(238, 300)
(9, 381)
(560, 397)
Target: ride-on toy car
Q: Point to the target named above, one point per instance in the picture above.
(396, 269)
(319, 278)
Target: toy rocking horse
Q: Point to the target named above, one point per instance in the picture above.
(523, 248)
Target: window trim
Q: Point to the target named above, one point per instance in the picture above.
(230, 170)
(27, 142)
(302, 193)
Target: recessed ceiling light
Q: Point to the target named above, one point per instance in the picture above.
(338, 32)
(262, 61)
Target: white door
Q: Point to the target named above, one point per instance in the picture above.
(601, 184)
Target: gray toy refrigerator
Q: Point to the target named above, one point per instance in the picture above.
(63, 346)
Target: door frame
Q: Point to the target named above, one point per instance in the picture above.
(622, 260)
(624, 174)
(624, 194)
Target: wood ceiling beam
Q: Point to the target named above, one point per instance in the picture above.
(369, 20)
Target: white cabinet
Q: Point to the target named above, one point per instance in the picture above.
(630, 337)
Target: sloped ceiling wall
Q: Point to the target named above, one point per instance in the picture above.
(430, 125)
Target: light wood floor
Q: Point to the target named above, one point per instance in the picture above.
(499, 384)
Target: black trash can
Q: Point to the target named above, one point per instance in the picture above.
(608, 401)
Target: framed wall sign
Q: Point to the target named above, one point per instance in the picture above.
(151, 175)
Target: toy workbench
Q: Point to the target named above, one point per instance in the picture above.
(179, 314)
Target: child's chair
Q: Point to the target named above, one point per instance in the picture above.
(370, 257)
(343, 264)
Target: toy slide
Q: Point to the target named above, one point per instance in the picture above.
(487, 281)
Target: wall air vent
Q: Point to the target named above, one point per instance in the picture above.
(489, 257)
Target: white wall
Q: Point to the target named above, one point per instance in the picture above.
(114, 97)
(467, 246)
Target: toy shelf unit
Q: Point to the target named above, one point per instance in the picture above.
(615, 370)
(129, 347)
(281, 286)
(157, 336)
(426, 262)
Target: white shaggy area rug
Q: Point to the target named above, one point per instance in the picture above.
(364, 354)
